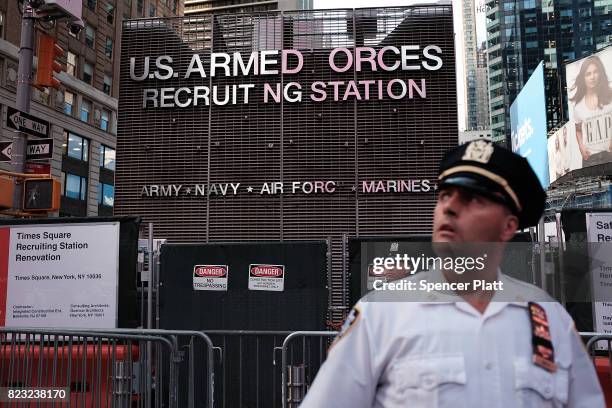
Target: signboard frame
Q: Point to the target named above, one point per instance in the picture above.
(114, 275)
(10, 112)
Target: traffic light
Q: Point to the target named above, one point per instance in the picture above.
(47, 53)
(7, 187)
(41, 194)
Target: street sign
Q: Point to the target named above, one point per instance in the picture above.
(38, 168)
(21, 121)
(38, 149)
(5, 151)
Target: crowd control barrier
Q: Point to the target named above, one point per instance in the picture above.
(104, 368)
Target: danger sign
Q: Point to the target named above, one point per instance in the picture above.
(210, 277)
(267, 277)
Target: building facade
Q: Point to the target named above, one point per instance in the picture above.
(520, 34)
(290, 163)
(482, 89)
(469, 63)
(203, 7)
(83, 112)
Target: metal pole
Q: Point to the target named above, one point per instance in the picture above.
(542, 240)
(26, 55)
(150, 312)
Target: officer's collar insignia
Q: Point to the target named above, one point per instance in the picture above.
(478, 151)
(543, 350)
(348, 324)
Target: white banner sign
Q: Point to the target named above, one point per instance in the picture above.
(599, 230)
(267, 277)
(210, 277)
(59, 275)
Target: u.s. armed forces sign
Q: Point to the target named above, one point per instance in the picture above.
(294, 187)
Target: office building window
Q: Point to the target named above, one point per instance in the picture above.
(110, 13)
(68, 103)
(85, 110)
(152, 10)
(91, 4)
(87, 72)
(107, 84)
(106, 194)
(140, 7)
(75, 146)
(74, 186)
(90, 36)
(108, 50)
(104, 119)
(107, 157)
(71, 62)
(2, 24)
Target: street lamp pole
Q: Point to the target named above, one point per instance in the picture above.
(24, 75)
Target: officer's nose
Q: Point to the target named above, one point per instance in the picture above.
(452, 202)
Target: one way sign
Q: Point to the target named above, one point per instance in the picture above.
(21, 121)
(5, 151)
(39, 149)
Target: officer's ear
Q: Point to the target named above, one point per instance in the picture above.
(509, 227)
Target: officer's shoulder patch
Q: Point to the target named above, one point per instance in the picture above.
(350, 322)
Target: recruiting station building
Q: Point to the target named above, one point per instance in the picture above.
(284, 126)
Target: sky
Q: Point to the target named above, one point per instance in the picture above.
(481, 33)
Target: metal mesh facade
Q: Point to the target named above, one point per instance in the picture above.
(344, 141)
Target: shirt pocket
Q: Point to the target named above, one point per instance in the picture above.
(536, 387)
(431, 381)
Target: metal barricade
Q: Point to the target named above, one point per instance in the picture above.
(248, 377)
(95, 369)
(295, 380)
(110, 368)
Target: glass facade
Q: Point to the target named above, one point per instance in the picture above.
(520, 34)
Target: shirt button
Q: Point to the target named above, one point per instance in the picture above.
(489, 365)
(547, 391)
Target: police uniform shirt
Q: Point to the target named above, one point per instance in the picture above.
(447, 354)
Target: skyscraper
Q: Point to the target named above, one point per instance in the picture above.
(520, 34)
(482, 88)
(83, 111)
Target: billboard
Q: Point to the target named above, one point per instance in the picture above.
(528, 125)
(59, 275)
(589, 91)
(563, 152)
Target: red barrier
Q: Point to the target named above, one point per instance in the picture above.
(87, 371)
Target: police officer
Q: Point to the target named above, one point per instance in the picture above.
(472, 348)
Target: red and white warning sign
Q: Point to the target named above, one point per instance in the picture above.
(267, 277)
(210, 277)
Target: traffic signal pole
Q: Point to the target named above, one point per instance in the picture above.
(24, 75)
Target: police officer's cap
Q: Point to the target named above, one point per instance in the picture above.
(498, 174)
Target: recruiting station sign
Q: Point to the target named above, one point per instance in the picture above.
(599, 231)
(59, 275)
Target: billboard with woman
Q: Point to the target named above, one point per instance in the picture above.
(589, 88)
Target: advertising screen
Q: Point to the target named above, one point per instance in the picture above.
(528, 125)
(589, 89)
(563, 150)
